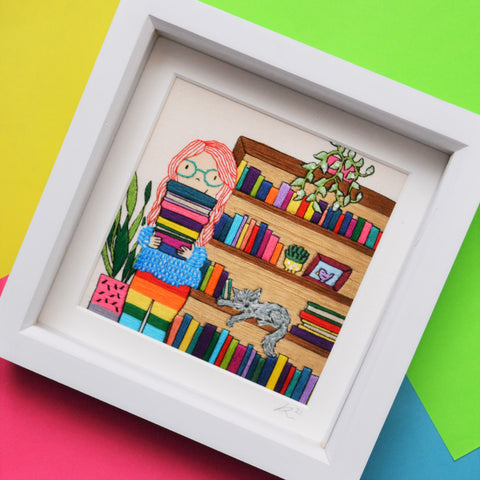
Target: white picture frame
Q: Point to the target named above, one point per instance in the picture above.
(439, 131)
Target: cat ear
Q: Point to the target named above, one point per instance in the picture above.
(235, 291)
(257, 293)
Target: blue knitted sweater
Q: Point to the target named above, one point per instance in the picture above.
(174, 271)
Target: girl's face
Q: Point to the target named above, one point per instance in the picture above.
(200, 172)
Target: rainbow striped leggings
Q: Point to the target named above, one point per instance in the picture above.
(153, 304)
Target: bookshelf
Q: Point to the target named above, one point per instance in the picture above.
(291, 290)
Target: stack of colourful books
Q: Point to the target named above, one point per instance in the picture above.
(220, 348)
(318, 325)
(253, 183)
(250, 236)
(184, 212)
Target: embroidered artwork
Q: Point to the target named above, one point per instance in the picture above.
(223, 263)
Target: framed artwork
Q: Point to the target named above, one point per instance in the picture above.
(234, 250)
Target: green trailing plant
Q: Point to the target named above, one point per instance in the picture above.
(336, 172)
(118, 253)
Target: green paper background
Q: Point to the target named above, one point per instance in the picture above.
(432, 46)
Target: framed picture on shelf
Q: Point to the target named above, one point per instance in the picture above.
(328, 271)
(238, 239)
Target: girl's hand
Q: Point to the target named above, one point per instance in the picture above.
(185, 252)
(155, 242)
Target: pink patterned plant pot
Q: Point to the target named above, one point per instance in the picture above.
(109, 297)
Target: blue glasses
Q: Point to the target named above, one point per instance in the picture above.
(188, 168)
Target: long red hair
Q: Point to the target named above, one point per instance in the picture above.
(227, 170)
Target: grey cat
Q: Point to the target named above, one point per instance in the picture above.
(267, 313)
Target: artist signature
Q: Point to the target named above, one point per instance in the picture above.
(290, 411)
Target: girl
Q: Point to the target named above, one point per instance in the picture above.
(190, 200)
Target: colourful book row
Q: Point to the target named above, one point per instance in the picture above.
(252, 182)
(221, 349)
(249, 236)
(214, 279)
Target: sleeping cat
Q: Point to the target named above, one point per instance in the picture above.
(266, 313)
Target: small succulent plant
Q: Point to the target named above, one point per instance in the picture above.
(295, 257)
(339, 174)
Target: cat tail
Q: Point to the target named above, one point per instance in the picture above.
(270, 341)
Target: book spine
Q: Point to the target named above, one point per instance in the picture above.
(240, 168)
(258, 370)
(264, 243)
(282, 193)
(338, 225)
(270, 247)
(194, 341)
(293, 205)
(251, 240)
(321, 322)
(283, 377)
(264, 190)
(286, 384)
(248, 234)
(242, 178)
(276, 253)
(242, 235)
(182, 330)
(219, 226)
(259, 239)
(287, 199)
(372, 237)
(225, 229)
(302, 208)
(345, 223)
(272, 195)
(229, 354)
(250, 179)
(302, 383)
(351, 228)
(223, 350)
(239, 230)
(362, 238)
(221, 340)
(204, 340)
(333, 220)
(187, 339)
(221, 283)
(308, 389)
(358, 229)
(256, 186)
(211, 346)
(214, 278)
(324, 311)
(276, 372)
(310, 337)
(318, 332)
(237, 358)
(245, 359)
(309, 212)
(177, 321)
(253, 366)
(267, 370)
(292, 384)
(378, 240)
(250, 359)
(234, 227)
(326, 219)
